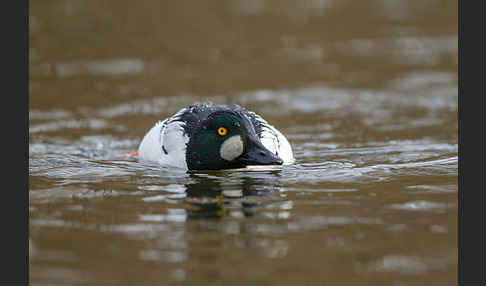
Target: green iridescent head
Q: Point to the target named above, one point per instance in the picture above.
(226, 140)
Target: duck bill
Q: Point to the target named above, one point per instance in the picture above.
(257, 154)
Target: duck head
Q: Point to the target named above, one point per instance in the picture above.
(226, 140)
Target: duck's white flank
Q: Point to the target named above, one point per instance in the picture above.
(275, 141)
(165, 143)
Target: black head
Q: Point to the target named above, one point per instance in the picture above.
(226, 140)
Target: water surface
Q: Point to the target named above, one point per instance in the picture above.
(368, 103)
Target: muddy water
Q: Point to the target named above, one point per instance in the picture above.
(365, 92)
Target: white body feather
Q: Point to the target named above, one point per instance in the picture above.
(275, 141)
(168, 134)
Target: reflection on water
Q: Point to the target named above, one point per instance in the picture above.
(231, 195)
(96, 68)
(365, 91)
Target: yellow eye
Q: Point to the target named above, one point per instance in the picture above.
(222, 131)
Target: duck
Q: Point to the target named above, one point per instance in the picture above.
(208, 136)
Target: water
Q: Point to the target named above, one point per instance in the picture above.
(369, 105)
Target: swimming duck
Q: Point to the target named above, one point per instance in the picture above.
(206, 136)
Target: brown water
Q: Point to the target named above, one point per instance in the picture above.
(365, 91)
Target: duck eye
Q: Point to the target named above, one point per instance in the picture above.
(222, 131)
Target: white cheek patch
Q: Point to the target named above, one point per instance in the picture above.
(231, 148)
